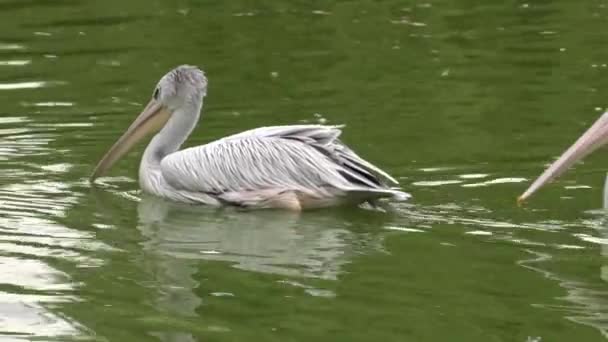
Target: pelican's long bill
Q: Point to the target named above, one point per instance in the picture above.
(152, 118)
(591, 140)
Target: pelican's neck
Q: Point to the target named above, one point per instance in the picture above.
(172, 135)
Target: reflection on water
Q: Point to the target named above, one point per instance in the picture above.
(24, 316)
(179, 236)
(584, 303)
(33, 200)
(29, 239)
(587, 301)
(309, 245)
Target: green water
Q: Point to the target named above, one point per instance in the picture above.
(464, 102)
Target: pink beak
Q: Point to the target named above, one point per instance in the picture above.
(591, 140)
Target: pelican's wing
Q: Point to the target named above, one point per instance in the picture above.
(302, 157)
(326, 136)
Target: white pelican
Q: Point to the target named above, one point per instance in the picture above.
(595, 137)
(290, 167)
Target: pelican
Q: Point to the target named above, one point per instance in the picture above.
(595, 137)
(293, 167)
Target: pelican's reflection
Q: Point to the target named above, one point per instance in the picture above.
(603, 231)
(178, 236)
(278, 242)
(591, 299)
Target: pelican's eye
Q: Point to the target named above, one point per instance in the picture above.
(156, 93)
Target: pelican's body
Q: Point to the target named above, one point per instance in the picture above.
(293, 167)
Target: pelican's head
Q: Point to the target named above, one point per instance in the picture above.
(595, 137)
(181, 88)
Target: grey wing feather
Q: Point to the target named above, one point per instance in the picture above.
(298, 157)
(319, 135)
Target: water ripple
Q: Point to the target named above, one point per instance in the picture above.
(20, 62)
(28, 85)
(32, 204)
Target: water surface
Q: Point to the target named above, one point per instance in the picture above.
(463, 103)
